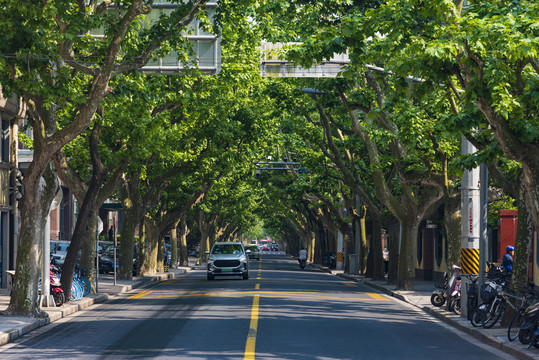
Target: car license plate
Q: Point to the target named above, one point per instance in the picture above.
(226, 270)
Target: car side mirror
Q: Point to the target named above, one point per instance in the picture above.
(248, 251)
(207, 252)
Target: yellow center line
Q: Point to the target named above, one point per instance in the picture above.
(141, 294)
(273, 294)
(253, 328)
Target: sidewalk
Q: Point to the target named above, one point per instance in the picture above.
(12, 327)
(420, 297)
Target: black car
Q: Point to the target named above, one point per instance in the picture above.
(106, 258)
(105, 264)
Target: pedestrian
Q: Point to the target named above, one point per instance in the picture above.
(386, 259)
(507, 261)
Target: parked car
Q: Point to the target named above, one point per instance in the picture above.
(228, 259)
(59, 251)
(255, 252)
(106, 260)
(105, 264)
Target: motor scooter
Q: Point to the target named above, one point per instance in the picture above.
(439, 296)
(527, 331)
(302, 263)
(455, 298)
(56, 290)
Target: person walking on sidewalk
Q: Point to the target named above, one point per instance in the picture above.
(507, 261)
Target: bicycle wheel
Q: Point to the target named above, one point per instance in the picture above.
(455, 306)
(73, 292)
(76, 291)
(478, 315)
(85, 285)
(471, 306)
(495, 314)
(80, 290)
(514, 325)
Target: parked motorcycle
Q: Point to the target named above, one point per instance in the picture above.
(529, 326)
(55, 289)
(473, 296)
(455, 298)
(439, 296)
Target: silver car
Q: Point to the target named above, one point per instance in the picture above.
(228, 259)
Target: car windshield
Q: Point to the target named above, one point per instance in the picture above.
(235, 249)
(252, 248)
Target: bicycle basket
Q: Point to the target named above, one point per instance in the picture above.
(488, 293)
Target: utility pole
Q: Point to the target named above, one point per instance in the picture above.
(470, 215)
(470, 235)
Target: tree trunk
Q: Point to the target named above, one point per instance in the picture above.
(394, 239)
(184, 255)
(130, 221)
(87, 257)
(83, 226)
(151, 243)
(174, 247)
(452, 224)
(378, 269)
(523, 242)
(363, 240)
(34, 208)
(407, 256)
(141, 247)
(161, 253)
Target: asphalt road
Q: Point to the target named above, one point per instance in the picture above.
(281, 312)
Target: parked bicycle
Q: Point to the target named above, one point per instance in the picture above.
(80, 275)
(527, 297)
(472, 293)
(493, 299)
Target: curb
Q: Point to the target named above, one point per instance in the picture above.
(28, 324)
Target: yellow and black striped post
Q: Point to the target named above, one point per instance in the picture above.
(469, 259)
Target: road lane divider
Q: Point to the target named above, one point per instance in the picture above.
(329, 295)
(141, 294)
(250, 344)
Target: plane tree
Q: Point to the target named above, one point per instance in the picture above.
(91, 187)
(486, 53)
(60, 71)
(385, 112)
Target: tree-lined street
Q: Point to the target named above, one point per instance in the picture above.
(281, 312)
